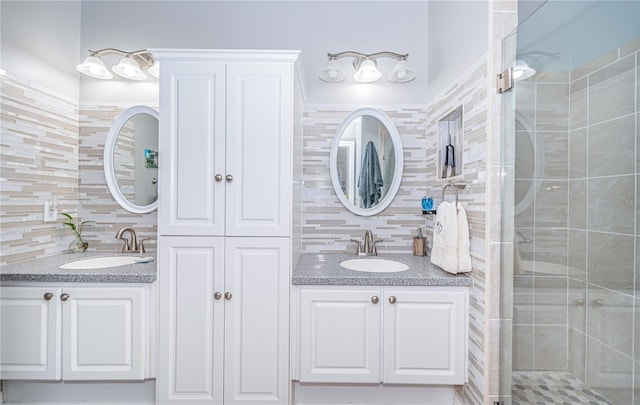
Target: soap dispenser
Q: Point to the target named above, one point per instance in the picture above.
(419, 244)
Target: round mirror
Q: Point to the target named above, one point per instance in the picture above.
(131, 159)
(366, 161)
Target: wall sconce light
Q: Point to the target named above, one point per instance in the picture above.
(366, 67)
(131, 66)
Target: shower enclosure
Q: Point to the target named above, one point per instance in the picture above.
(571, 214)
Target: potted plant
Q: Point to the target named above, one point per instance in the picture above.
(78, 244)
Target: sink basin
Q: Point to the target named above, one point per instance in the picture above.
(100, 262)
(374, 265)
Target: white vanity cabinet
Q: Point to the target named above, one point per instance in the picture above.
(225, 335)
(226, 224)
(226, 134)
(73, 332)
(397, 335)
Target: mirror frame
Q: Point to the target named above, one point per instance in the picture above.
(109, 148)
(397, 175)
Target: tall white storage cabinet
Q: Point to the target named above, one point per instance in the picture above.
(229, 177)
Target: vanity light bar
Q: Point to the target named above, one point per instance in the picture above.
(130, 67)
(366, 67)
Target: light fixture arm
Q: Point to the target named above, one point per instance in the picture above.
(142, 57)
(361, 57)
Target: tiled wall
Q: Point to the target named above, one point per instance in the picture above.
(38, 163)
(469, 92)
(574, 309)
(96, 202)
(326, 225)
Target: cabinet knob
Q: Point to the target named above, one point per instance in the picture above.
(64, 297)
(48, 296)
(375, 299)
(392, 299)
(217, 295)
(218, 177)
(229, 178)
(227, 295)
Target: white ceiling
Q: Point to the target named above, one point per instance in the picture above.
(314, 27)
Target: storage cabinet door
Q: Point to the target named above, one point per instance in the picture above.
(192, 149)
(424, 337)
(190, 322)
(259, 131)
(103, 333)
(257, 321)
(340, 336)
(30, 333)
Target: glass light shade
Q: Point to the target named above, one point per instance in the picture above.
(94, 66)
(368, 72)
(402, 72)
(332, 72)
(129, 69)
(522, 70)
(154, 70)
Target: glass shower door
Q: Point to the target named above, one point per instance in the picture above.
(571, 158)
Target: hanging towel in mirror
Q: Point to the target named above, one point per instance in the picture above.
(370, 182)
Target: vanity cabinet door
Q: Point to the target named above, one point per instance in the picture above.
(103, 333)
(30, 333)
(256, 321)
(191, 320)
(340, 336)
(192, 149)
(259, 133)
(424, 337)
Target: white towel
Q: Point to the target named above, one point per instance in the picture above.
(450, 249)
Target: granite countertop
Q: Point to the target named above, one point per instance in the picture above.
(325, 269)
(48, 270)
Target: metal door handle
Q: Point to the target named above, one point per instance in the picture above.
(218, 178)
(65, 297)
(48, 296)
(227, 296)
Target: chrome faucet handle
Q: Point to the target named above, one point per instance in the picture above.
(357, 245)
(141, 245)
(374, 249)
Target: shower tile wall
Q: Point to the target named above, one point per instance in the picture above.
(38, 162)
(576, 285)
(96, 202)
(327, 225)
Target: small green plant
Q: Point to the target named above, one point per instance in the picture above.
(76, 227)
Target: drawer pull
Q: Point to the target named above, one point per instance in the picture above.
(392, 299)
(375, 299)
(65, 297)
(48, 296)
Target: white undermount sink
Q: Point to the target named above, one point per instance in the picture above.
(103, 262)
(374, 265)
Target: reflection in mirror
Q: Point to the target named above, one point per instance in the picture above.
(366, 161)
(131, 159)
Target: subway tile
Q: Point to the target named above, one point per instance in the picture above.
(550, 348)
(612, 91)
(578, 158)
(610, 318)
(612, 147)
(609, 372)
(611, 204)
(610, 260)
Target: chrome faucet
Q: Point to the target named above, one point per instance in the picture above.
(131, 244)
(369, 246)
